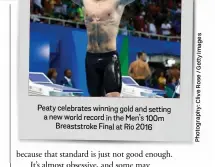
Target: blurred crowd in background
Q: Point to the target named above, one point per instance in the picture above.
(154, 17)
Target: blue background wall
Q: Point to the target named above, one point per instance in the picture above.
(53, 46)
(39, 53)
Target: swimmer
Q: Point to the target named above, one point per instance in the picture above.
(102, 19)
(139, 70)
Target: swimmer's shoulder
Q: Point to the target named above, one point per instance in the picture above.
(134, 63)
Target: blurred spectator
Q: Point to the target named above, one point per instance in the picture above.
(64, 9)
(172, 88)
(67, 81)
(47, 8)
(174, 72)
(161, 81)
(52, 3)
(52, 75)
(72, 10)
(58, 10)
(139, 22)
(159, 19)
(171, 83)
(124, 26)
(35, 15)
(131, 27)
(80, 13)
(152, 28)
(166, 28)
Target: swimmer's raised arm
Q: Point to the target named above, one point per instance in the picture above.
(126, 2)
(78, 2)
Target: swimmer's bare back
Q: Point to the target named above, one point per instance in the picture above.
(139, 70)
(102, 19)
